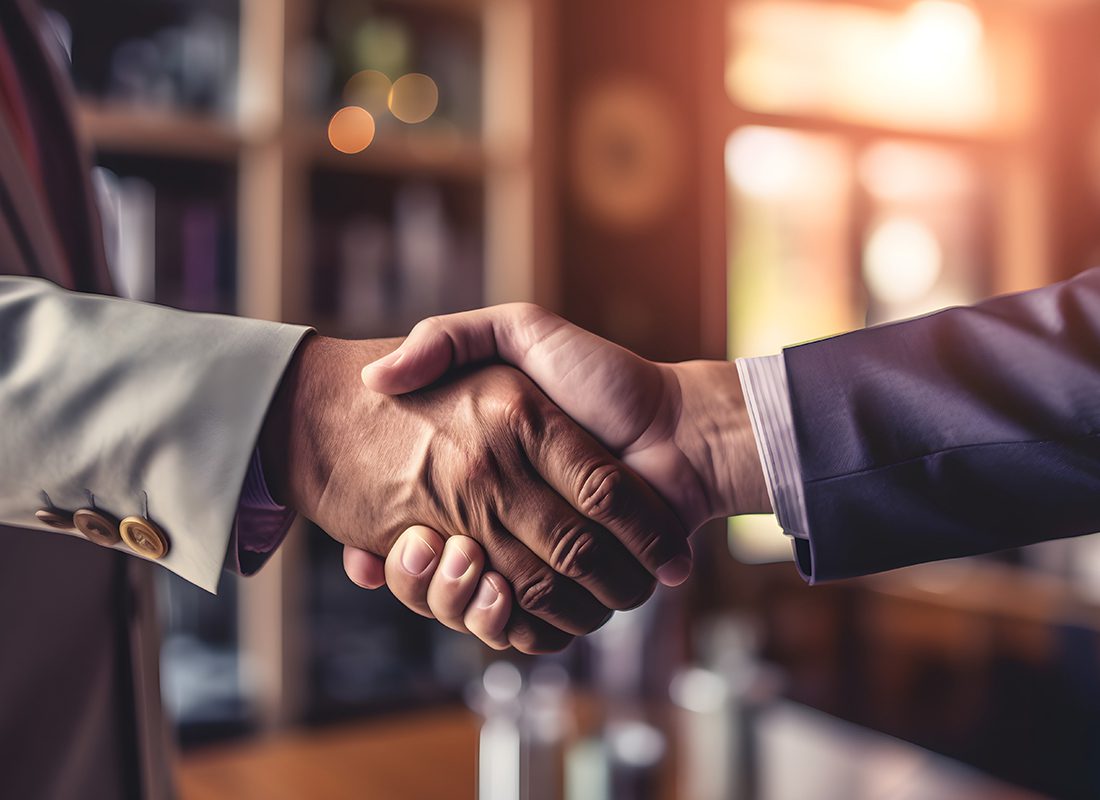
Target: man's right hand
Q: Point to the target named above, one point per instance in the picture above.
(485, 455)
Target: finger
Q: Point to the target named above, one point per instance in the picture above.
(438, 344)
(575, 368)
(533, 636)
(364, 569)
(539, 590)
(487, 614)
(411, 565)
(574, 546)
(455, 580)
(604, 490)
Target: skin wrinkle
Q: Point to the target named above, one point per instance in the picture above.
(597, 492)
(658, 416)
(528, 464)
(704, 492)
(544, 346)
(578, 364)
(525, 631)
(573, 546)
(523, 325)
(616, 559)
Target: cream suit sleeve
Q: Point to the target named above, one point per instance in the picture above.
(131, 409)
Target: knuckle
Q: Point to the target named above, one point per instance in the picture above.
(520, 635)
(655, 546)
(531, 641)
(522, 413)
(525, 315)
(527, 325)
(515, 398)
(429, 326)
(596, 622)
(600, 491)
(575, 551)
(516, 410)
(481, 467)
(523, 309)
(537, 594)
(643, 594)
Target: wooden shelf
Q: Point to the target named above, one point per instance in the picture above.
(158, 132)
(130, 130)
(390, 153)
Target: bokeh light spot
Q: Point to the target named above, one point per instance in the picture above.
(351, 129)
(369, 89)
(413, 97)
(902, 261)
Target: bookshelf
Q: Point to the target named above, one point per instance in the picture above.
(275, 180)
(156, 132)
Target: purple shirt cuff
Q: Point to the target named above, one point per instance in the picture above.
(261, 523)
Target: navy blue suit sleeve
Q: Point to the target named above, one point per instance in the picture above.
(967, 431)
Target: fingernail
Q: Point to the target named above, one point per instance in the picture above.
(417, 555)
(487, 594)
(455, 563)
(385, 362)
(675, 571)
(391, 359)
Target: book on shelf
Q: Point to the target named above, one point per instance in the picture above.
(128, 214)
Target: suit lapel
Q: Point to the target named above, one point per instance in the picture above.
(23, 205)
(62, 222)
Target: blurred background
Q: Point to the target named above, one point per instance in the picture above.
(694, 178)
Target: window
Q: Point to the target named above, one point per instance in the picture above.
(861, 170)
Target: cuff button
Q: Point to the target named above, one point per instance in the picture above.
(97, 527)
(144, 537)
(55, 518)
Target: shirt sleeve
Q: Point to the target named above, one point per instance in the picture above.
(767, 398)
(261, 523)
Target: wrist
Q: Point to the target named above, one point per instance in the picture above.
(715, 434)
(278, 435)
(301, 436)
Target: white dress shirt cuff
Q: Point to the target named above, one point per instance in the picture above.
(767, 398)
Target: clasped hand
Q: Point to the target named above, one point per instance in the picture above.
(525, 503)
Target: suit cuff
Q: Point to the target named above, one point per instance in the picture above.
(261, 523)
(767, 398)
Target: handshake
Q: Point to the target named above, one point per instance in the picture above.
(508, 473)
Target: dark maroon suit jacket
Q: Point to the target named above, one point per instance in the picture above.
(79, 696)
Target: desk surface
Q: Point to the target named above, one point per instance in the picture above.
(420, 755)
(804, 755)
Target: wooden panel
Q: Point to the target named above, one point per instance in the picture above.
(636, 283)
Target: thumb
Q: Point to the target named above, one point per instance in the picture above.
(437, 345)
(421, 359)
